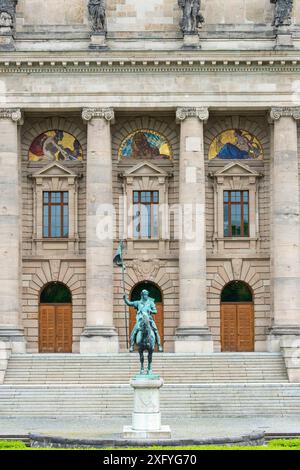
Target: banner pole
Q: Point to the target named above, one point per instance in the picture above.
(123, 281)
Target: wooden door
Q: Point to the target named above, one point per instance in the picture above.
(47, 329)
(158, 318)
(228, 327)
(63, 319)
(237, 327)
(245, 327)
(55, 328)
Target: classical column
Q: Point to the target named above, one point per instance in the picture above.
(285, 226)
(99, 335)
(10, 231)
(193, 334)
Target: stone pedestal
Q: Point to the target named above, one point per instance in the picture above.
(191, 41)
(284, 38)
(7, 42)
(193, 334)
(146, 417)
(100, 335)
(98, 41)
(11, 330)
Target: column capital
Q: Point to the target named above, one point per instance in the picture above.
(285, 111)
(14, 114)
(98, 113)
(201, 113)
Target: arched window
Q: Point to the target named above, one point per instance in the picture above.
(236, 291)
(56, 293)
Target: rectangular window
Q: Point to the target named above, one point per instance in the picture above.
(236, 214)
(55, 214)
(145, 214)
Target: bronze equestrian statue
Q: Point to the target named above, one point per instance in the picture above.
(145, 333)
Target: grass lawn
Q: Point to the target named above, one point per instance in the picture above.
(278, 444)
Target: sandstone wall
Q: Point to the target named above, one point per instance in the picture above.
(143, 16)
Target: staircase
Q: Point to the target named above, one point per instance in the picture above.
(196, 385)
(216, 400)
(50, 369)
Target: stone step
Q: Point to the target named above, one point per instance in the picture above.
(118, 368)
(192, 400)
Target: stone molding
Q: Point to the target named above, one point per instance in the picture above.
(277, 113)
(239, 269)
(183, 113)
(14, 114)
(195, 64)
(98, 113)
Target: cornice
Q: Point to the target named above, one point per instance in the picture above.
(101, 113)
(14, 114)
(285, 111)
(149, 65)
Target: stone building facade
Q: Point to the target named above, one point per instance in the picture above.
(142, 109)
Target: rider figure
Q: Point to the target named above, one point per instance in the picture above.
(145, 303)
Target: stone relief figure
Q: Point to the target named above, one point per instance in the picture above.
(192, 19)
(97, 15)
(7, 13)
(283, 12)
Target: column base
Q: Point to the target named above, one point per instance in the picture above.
(193, 340)
(278, 333)
(15, 337)
(97, 339)
(287, 341)
(5, 352)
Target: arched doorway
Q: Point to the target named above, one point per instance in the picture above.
(156, 294)
(237, 318)
(55, 319)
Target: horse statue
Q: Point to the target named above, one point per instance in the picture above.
(145, 333)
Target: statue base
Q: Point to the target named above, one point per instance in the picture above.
(98, 41)
(6, 39)
(284, 38)
(146, 417)
(284, 41)
(163, 433)
(191, 41)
